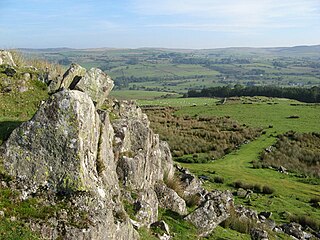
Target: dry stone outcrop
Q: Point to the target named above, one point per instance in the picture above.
(103, 161)
(94, 82)
(212, 212)
(169, 199)
(71, 147)
(6, 58)
(67, 148)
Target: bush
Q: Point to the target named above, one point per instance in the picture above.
(257, 188)
(218, 179)
(315, 202)
(240, 184)
(256, 164)
(267, 190)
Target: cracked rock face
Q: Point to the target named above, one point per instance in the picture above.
(58, 146)
(212, 212)
(169, 199)
(67, 147)
(71, 147)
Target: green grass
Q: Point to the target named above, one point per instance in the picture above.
(195, 103)
(18, 107)
(15, 230)
(292, 195)
(139, 94)
(162, 70)
(261, 114)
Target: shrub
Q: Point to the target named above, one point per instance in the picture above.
(297, 152)
(315, 202)
(237, 184)
(257, 188)
(267, 190)
(218, 179)
(256, 164)
(240, 184)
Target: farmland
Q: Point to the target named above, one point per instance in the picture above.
(180, 70)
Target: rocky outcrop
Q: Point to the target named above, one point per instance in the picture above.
(67, 148)
(6, 58)
(295, 231)
(191, 184)
(142, 159)
(94, 82)
(258, 234)
(71, 148)
(58, 147)
(169, 199)
(72, 76)
(212, 212)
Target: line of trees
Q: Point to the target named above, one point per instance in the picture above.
(310, 95)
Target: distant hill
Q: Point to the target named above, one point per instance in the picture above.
(181, 70)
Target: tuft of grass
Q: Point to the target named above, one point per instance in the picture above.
(146, 234)
(257, 188)
(267, 190)
(192, 200)
(175, 184)
(180, 227)
(14, 230)
(242, 225)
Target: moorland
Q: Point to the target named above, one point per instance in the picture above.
(232, 143)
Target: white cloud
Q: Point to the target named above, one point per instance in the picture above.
(243, 13)
(217, 27)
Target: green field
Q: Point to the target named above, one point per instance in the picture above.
(139, 94)
(182, 70)
(292, 193)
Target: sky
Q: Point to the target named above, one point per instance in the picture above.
(198, 24)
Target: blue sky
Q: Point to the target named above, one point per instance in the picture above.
(158, 23)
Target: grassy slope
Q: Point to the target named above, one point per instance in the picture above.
(291, 195)
(16, 108)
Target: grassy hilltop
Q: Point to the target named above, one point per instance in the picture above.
(290, 197)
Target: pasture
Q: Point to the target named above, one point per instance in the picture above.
(292, 193)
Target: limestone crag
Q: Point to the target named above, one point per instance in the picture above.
(72, 148)
(142, 159)
(67, 148)
(94, 82)
(6, 58)
(169, 199)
